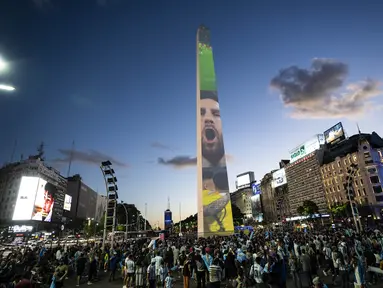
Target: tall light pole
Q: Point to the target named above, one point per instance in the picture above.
(111, 198)
(180, 221)
(126, 220)
(146, 208)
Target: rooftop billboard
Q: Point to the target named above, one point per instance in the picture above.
(279, 178)
(335, 134)
(305, 148)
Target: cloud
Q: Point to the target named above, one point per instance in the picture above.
(88, 157)
(317, 92)
(179, 162)
(159, 145)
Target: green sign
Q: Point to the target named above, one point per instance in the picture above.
(299, 153)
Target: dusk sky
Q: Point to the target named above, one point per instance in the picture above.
(118, 77)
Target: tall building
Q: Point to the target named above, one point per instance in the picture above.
(242, 199)
(11, 178)
(214, 207)
(305, 182)
(359, 157)
(84, 198)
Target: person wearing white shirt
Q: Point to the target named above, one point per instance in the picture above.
(130, 269)
(256, 271)
(58, 255)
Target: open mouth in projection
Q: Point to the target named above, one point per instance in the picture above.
(210, 135)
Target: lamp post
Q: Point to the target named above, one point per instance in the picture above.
(111, 197)
(126, 220)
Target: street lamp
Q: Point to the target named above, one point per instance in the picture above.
(7, 87)
(111, 197)
(3, 64)
(126, 220)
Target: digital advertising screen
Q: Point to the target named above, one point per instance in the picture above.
(168, 219)
(26, 198)
(279, 178)
(44, 201)
(256, 187)
(335, 134)
(243, 180)
(67, 202)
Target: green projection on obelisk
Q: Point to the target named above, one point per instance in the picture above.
(214, 207)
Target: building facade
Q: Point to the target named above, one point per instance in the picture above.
(242, 199)
(10, 180)
(268, 200)
(305, 182)
(84, 199)
(362, 153)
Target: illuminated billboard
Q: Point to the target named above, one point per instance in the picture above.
(214, 206)
(335, 134)
(305, 149)
(44, 201)
(244, 180)
(67, 202)
(168, 219)
(279, 178)
(26, 198)
(35, 200)
(256, 187)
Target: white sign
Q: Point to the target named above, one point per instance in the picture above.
(279, 178)
(243, 180)
(67, 202)
(26, 198)
(21, 229)
(304, 149)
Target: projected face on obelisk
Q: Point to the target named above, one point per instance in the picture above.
(215, 217)
(211, 129)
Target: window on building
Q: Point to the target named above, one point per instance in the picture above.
(372, 170)
(377, 189)
(361, 181)
(338, 162)
(379, 198)
(374, 179)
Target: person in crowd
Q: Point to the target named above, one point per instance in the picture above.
(169, 280)
(151, 274)
(215, 274)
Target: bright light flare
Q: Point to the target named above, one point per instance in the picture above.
(3, 64)
(6, 87)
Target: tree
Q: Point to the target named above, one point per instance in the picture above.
(340, 210)
(308, 208)
(311, 208)
(300, 210)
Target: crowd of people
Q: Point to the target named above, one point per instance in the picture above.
(261, 259)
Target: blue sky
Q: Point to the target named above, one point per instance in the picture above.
(118, 77)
